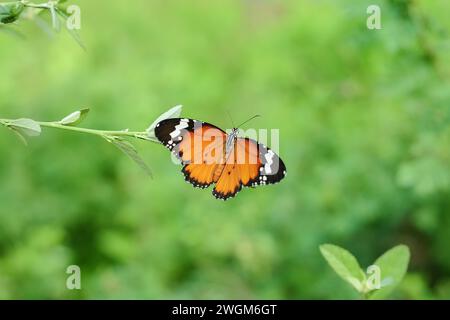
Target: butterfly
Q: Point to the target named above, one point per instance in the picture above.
(211, 156)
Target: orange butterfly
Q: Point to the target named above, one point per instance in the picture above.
(210, 155)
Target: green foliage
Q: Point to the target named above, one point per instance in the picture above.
(128, 149)
(364, 119)
(31, 128)
(11, 11)
(74, 118)
(345, 265)
(23, 128)
(392, 266)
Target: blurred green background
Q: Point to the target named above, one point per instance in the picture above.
(364, 119)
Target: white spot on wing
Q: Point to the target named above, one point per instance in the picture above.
(269, 161)
(184, 123)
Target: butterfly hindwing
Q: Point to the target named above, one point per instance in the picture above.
(250, 164)
(228, 184)
(199, 175)
(241, 167)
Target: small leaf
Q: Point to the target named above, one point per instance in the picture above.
(174, 112)
(127, 148)
(10, 12)
(75, 117)
(26, 127)
(344, 264)
(72, 32)
(393, 265)
(20, 136)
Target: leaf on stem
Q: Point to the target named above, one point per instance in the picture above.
(174, 112)
(27, 127)
(24, 128)
(20, 136)
(10, 12)
(393, 265)
(344, 264)
(75, 118)
(72, 32)
(127, 148)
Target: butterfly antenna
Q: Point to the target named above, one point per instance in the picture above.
(255, 116)
(229, 115)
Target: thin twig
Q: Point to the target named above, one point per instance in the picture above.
(102, 133)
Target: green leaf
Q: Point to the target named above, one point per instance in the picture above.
(10, 12)
(72, 32)
(26, 127)
(127, 148)
(20, 136)
(75, 118)
(174, 112)
(393, 265)
(344, 264)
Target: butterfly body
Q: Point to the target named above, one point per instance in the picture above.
(211, 156)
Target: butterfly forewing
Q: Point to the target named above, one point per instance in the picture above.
(197, 144)
(192, 141)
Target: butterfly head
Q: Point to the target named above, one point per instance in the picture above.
(235, 132)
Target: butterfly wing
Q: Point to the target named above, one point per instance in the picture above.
(200, 175)
(250, 164)
(199, 146)
(228, 183)
(271, 169)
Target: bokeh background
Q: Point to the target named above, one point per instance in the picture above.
(364, 119)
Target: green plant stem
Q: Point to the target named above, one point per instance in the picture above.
(102, 133)
(45, 5)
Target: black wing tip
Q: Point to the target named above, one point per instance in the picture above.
(161, 132)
